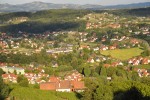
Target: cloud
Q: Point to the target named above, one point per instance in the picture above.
(101, 2)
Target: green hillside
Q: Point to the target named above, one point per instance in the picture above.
(41, 21)
(26, 93)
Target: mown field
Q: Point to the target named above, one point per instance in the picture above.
(123, 54)
(143, 66)
(28, 93)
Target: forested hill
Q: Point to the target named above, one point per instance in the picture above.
(41, 21)
(132, 12)
(55, 20)
(140, 12)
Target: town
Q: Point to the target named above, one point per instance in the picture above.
(111, 48)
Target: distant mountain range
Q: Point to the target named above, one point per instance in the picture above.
(37, 6)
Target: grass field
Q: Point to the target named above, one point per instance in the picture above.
(28, 93)
(143, 66)
(123, 54)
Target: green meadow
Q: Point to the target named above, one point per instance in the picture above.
(123, 54)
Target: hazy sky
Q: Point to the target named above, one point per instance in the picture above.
(101, 2)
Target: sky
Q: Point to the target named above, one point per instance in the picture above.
(100, 2)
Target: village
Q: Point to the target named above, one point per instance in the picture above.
(96, 48)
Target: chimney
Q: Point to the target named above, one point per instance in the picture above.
(59, 84)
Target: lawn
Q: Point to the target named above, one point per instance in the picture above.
(143, 66)
(28, 93)
(123, 54)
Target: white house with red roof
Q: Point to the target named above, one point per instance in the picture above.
(74, 75)
(142, 72)
(103, 48)
(90, 60)
(10, 78)
(138, 60)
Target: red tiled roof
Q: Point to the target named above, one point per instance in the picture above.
(9, 75)
(48, 86)
(65, 84)
(53, 85)
(145, 61)
(54, 79)
(78, 84)
(106, 65)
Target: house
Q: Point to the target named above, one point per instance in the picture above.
(84, 47)
(114, 26)
(78, 86)
(115, 64)
(103, 58)
(142, 72)
(72, 82)
(112, 47)
(31, 77)
(109, 78)
(54, 64)
(145, 61)
(54, 79)
(48, 86)
(103, 39)
(136, 62)
(97, 59)
(90, 60)
(39, 81)
(12, 69)
(96, 49)
(74, 76)
(103, 48)
(41, 75)
(134, 41)
(31, 80)
(107, 65)
(63, 86)
(36, 78)
(9, 78)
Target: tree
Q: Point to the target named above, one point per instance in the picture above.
(145, 53)
(87, 95)
(111, 71)
(103, 93)
(98, 69)
(36, 86)
(1, 72)
(135, 76)
(3, 58)
(74, 62)
(15, 72)
(87, 71)
(20, 78)
(23, 81)
(91, 84)
(103, 72)
(145, 80)
(4, 89)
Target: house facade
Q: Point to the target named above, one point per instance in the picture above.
(7, 69)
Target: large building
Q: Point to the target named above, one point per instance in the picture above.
(63, 86)
(56, 84)
(7, 69)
